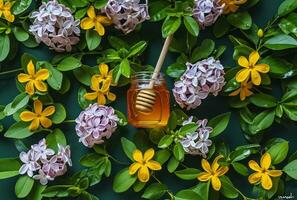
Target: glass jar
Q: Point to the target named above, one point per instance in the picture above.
(160, 112)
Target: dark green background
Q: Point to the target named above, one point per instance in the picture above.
(210, 108)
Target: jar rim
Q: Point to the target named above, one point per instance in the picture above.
(146, 75)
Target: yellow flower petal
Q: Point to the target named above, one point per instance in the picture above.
(37, 106)
(254, 58)
(101, 100)
(134, 167)
(242, 95)
(103, 20)
(149, 154)
(216, 183)
(254, 166)
(31, 68)
(206, 166)
(203, 176)
(266, 182)
(215, 165)
(87, 23)
(99, 28)
(23, 78)
(243, 62)
(41, 86)
(222, 170)
(30, 88)
(143, 174)
(153, 165)
(94, 83)
(242, 75)
(256, 77)
(103, 68)
(274, 173)
(91, 12)
(34, 124)
(137, 156)
(27, 116)
(45, 122)
(265, 161)
(91, 96)
(254, 177)
(111, 96)
(48, 111)
(8, 16)
(42, 74)
(263, 68)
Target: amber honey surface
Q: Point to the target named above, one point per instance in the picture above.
(160, 113)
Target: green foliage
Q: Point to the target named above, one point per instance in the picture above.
(9, 167)
(123, 181)
(23, 186)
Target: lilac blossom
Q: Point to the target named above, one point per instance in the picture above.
(41, 162)
(126, 14)
(55, 26)
(206, 12)
(199, 80)
(96, 123)
(197, 143)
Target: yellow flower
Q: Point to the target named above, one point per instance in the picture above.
(104, 74)
(39, 116)
(260, 33)
(143, 164)
(231, 5)
(95, 21)
(34, 80)
(5, 9)
(263, 173)
(100, 88)
(212, 172)
(243, 91)
(251, 68)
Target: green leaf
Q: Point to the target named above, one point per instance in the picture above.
(84, 74)
(56, 191)
(125, 68)
(170, 25)
(55, 79)
(60, 114)
(172, 165)
(4, 46)
(123, 181)
(279, 152)
(23, 186)
(162, 156)
(187, 174)
(289, 25)
(175, 70)
(93, 39)
(241, 20)
(36, 192)
(203, 51)
(202, 189)
(154, 191)
(240, 154)
(80, 13)
(279, 68)
(100, 4)
(240, 168)
(19, 130)
(122, 118)
(187, 195)
(286, 7)
(178, 151)
(158, 10)
(128, 147)
(281, 42)
(21, 6)
(9, 167)
(18, 103)
(221, 27)
(91, 160)
(165, 141)
(137, 49)
(291, 169)
(69, 63)
(172, 122)
(228, 189)
(55, 138)
(219, 124)
(191, 25)
(84, 103)
(263, 100)
(262, 121)
(20, 34)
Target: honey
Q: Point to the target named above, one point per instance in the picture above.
(159, 115)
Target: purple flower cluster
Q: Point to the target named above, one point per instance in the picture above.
(200, 79)
(96, 123)
(54, 25)
(207, 12)
(197, 143)
(126, 14)
(43, 164)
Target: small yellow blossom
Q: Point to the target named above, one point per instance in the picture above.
(39, 116)
(251, 68)
(34, 80)
(143, 163)
(244, 90)
(212, 172)
(5, 10)
(104, 73)
(260, 33)
(101, 89)
(263, 173)
(231, 5)
(95, 21)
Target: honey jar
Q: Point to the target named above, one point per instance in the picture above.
(160, 112)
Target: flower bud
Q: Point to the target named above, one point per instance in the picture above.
(260, 33)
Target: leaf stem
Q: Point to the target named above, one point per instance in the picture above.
(69, 121)
(116, 160)
(11, 71)
(168, 192)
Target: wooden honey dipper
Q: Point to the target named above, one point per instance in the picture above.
(146, 97)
